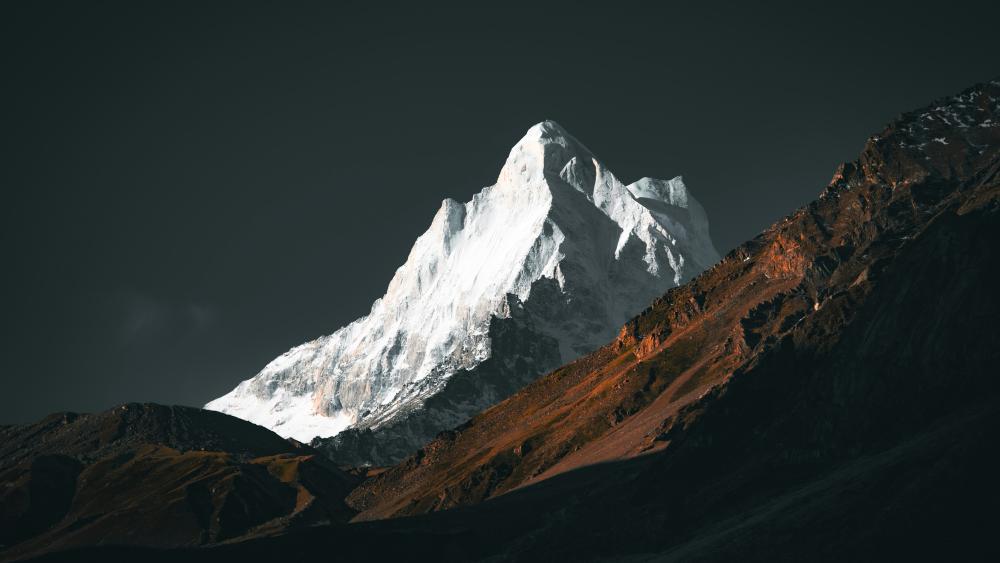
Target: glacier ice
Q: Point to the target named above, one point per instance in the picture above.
(556, 214)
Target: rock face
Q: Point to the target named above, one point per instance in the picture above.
(535, 271)
(159, 476)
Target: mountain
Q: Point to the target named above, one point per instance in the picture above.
(827, 392)
(152, 475)
(534, 271)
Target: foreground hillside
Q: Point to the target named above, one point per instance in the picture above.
(825, 393)
(144, 474)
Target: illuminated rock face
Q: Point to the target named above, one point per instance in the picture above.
(549, 262)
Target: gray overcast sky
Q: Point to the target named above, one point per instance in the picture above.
(192, 188)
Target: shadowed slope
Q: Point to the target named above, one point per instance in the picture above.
(144, 474)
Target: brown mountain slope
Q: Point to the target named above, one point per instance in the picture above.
(144, 474)
(799, 283)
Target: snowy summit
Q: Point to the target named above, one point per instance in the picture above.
(558, 242)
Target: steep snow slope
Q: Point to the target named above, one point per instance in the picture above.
(558, 243)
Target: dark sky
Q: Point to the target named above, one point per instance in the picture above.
(191, 189)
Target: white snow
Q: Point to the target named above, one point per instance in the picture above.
(555, 212)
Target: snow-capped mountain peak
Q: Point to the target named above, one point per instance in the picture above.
(555, 213)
